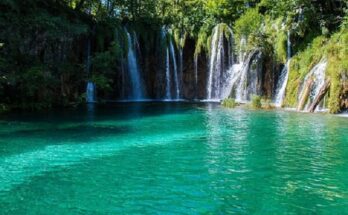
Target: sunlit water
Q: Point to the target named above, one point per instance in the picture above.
(167, 158)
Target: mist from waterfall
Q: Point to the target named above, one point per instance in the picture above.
(133, 68)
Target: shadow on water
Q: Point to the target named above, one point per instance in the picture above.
(23, 131)
(99, 112)
(79, 133)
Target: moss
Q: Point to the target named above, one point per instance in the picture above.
(335, 50)
(229, 103)
(256, 102)
(179, 38)
(300, 65)
(280, 47)
(201, 44)
(267, 104)
(249, 23)
(338, 67)
(204, 41)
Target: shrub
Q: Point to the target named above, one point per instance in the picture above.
(3, 108)
(267, 104)
(256, 102)
(229, 103)
(248, 23)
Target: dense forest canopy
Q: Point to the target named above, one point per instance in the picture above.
(43, 42)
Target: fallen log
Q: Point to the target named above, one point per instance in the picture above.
(322, 92)
(304, 97)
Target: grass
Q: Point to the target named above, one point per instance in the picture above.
(256, 102)
(229, 103)
(267, 104)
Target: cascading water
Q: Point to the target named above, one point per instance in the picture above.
(234, 75)
(242, 46)
(90, 92)
(90, 88)
(133, 69)
(230, 48)
(195, 61)
(168, 91)
(176, 81)
(281, 85)
(283, 78)
(317, 78)
(181, 63)
(215, 66)
(249, 77)
(288, 44)
(219, 77)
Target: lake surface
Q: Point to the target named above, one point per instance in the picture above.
(167, 158)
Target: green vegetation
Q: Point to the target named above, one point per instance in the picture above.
(267, 104)
(256, 102)
(333, 49)
(43, 43)
(229, 103)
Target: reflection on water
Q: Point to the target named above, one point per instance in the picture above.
(173, 159)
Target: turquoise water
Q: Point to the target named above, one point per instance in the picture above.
(157, 158)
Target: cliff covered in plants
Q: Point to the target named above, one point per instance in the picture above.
(172, 50)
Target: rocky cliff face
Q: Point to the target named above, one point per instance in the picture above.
(155, 59)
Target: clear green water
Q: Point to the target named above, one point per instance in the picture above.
(173, 159)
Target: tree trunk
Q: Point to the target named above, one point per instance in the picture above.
(320, 96)
(305, 95)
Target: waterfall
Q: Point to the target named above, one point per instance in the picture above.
(317, 79)
(281, 85)
(133, 68)
(222, 69)
(90, 88)
(195, 62)
(181, 63)
(249, 77)
(288, 45)
(171, 62)
(284, 77)
(88, 57)
(168, 91)
(176, 81)
(242, 46)
(230, 49)
(90, 92)
(216, 64)
(234, 75)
